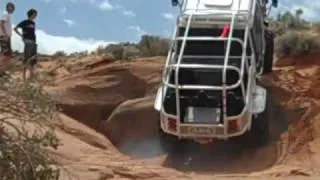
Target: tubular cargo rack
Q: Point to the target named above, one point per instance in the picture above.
(241, 15)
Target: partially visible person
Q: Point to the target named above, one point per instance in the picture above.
(28, 36)
(5, 35)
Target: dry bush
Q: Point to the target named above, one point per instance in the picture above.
(296, 43)
(26, 117)
(47, 77)
(147, 46)
(59, 54)
(115, 49)
(130, 52)
(153, 46)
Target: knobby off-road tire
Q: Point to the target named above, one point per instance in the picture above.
(268, 57)
(260, 127)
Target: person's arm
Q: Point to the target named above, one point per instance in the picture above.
(16, 29)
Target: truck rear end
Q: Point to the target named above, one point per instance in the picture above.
(201, 110)
(210, 73)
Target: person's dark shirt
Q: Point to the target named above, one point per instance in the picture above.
(28, 29)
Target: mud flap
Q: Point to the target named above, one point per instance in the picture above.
(158, 100)
(172, 144)
(259, 133)
(259, 100)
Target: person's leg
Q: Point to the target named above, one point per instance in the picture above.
(31, 58)
(31, 68)
(25, 61)
(24, 73)
(34, 60)
(7, 54)
(3, 51)
(31, 72)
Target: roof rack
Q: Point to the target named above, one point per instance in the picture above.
(216, 12)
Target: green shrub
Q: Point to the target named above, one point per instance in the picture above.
(289, 20)
(116, 50)
(147, 46)
(153, 46)
(296, 43)
(22, 156)
(60, 54)
(130, 52)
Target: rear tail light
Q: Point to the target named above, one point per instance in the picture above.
(233, 126)
(172, 124)
(237, 124)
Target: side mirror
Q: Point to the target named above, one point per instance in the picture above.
(275, 3)
(174, 2)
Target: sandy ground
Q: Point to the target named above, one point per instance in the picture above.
(110, 132)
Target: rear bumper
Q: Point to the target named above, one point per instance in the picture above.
(256, 106)
(232, 128)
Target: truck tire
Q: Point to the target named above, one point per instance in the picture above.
(268, 56)
(260, 132)
(171, 144)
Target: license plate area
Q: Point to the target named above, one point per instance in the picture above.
(202, 115)
(200, 130)
(204, 131)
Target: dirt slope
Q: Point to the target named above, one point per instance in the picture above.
(85, 154)
(91, 95)
(117, 98)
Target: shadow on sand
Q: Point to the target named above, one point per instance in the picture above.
(232, 156)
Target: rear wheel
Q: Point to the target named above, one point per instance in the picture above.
(171, 144)
(259, 133)
(260, 130)
(268, 57)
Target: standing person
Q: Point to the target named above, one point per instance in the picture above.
(28, 36)
(5, 35)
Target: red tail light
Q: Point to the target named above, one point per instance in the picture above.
(172, 124)
(233, 126)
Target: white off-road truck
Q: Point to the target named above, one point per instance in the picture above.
(209, 86)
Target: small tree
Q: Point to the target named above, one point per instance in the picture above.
(59, 54)
(101, 50)
(116, 50)
(130, 51)
(299, 12)
(153, 46)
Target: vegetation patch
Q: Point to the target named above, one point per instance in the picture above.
(27, 115)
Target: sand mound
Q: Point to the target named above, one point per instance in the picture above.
(131, 123)
(87, 155)
(117, 99)
(293, 139)
(90, 96)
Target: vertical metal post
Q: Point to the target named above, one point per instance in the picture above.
(244, 63)
(186, 32)
(224, 74)
(170, 56)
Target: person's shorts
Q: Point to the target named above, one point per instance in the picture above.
(5, 45)
(30, 53)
